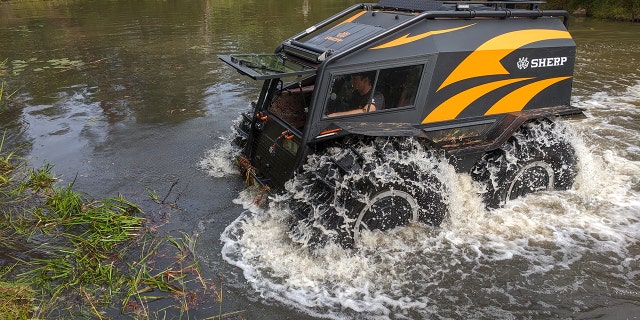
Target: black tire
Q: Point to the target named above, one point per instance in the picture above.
(417, 197)
(380, 190)
(537, 158)
(309, 195)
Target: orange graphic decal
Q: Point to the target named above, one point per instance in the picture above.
(339, 37)
(516, 100)
(485, 60)
(408, 38)
(450, 109)
(356, 16)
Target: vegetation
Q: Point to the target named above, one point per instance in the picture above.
(4, 97)
(623, 10)
(65, 255)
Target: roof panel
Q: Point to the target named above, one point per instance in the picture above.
(344, 36)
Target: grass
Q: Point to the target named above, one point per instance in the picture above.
(4, 97)
(65, 254)
(17, 300)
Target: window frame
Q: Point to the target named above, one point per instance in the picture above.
(417, 79)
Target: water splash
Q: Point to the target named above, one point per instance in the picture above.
(551, 254)
(219, 161)
(382, 171)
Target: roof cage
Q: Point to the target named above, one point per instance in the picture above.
(413, 5)
(432, 5)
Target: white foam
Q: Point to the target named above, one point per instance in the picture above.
(478, 264)
(219, 162)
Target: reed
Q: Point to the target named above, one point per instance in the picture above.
(17, 299)
(6, 166)
(4, 97)
(70, 255)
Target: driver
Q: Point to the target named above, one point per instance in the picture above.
(361, 100)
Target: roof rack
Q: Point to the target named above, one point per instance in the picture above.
(433, 5)
(425, 7)
(412, 5)
(503, 13)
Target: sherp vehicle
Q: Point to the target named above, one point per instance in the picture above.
(354, 108)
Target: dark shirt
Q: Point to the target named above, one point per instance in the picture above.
(361, 101)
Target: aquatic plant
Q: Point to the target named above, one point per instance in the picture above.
(4, 97)
(17, 299)
(66, 254)
(5, 163)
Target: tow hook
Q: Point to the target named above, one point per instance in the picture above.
(261, 116)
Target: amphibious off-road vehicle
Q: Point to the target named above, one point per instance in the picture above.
(353, 107)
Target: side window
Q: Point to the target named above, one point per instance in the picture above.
(400, 85)
(354, 93)
(371, 91)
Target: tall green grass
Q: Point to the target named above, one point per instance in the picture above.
(69, 255)
(66, 254)
(4, 96)
(17, 299)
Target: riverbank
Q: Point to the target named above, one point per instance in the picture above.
(619, 10)
(66, 254)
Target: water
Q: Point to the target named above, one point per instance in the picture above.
(124, 95)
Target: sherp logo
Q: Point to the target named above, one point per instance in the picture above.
(523, 62)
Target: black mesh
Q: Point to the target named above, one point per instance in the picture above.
(414, 5)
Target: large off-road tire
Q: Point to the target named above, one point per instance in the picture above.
(376, 184)
(537, 157)
(413, 195)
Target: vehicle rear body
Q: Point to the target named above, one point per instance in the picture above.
(461, 77)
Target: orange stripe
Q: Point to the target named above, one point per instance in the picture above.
(485, 60)
(356, 16)
(407, 38)
(452, 107)
(518, 99)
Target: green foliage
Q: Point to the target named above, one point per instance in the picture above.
(5, 162)
(40, 178)
(74, 256)
(626, 10)
(4, 97)
(17, 300)
(614, 9)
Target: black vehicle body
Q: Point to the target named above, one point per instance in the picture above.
(459, 77)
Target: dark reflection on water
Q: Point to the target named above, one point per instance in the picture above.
(149, 60)
(607, 55)
(89, 71)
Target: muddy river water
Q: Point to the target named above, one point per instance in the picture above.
(125, 96)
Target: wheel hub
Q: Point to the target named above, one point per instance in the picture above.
(535, 176)
(387, 210)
